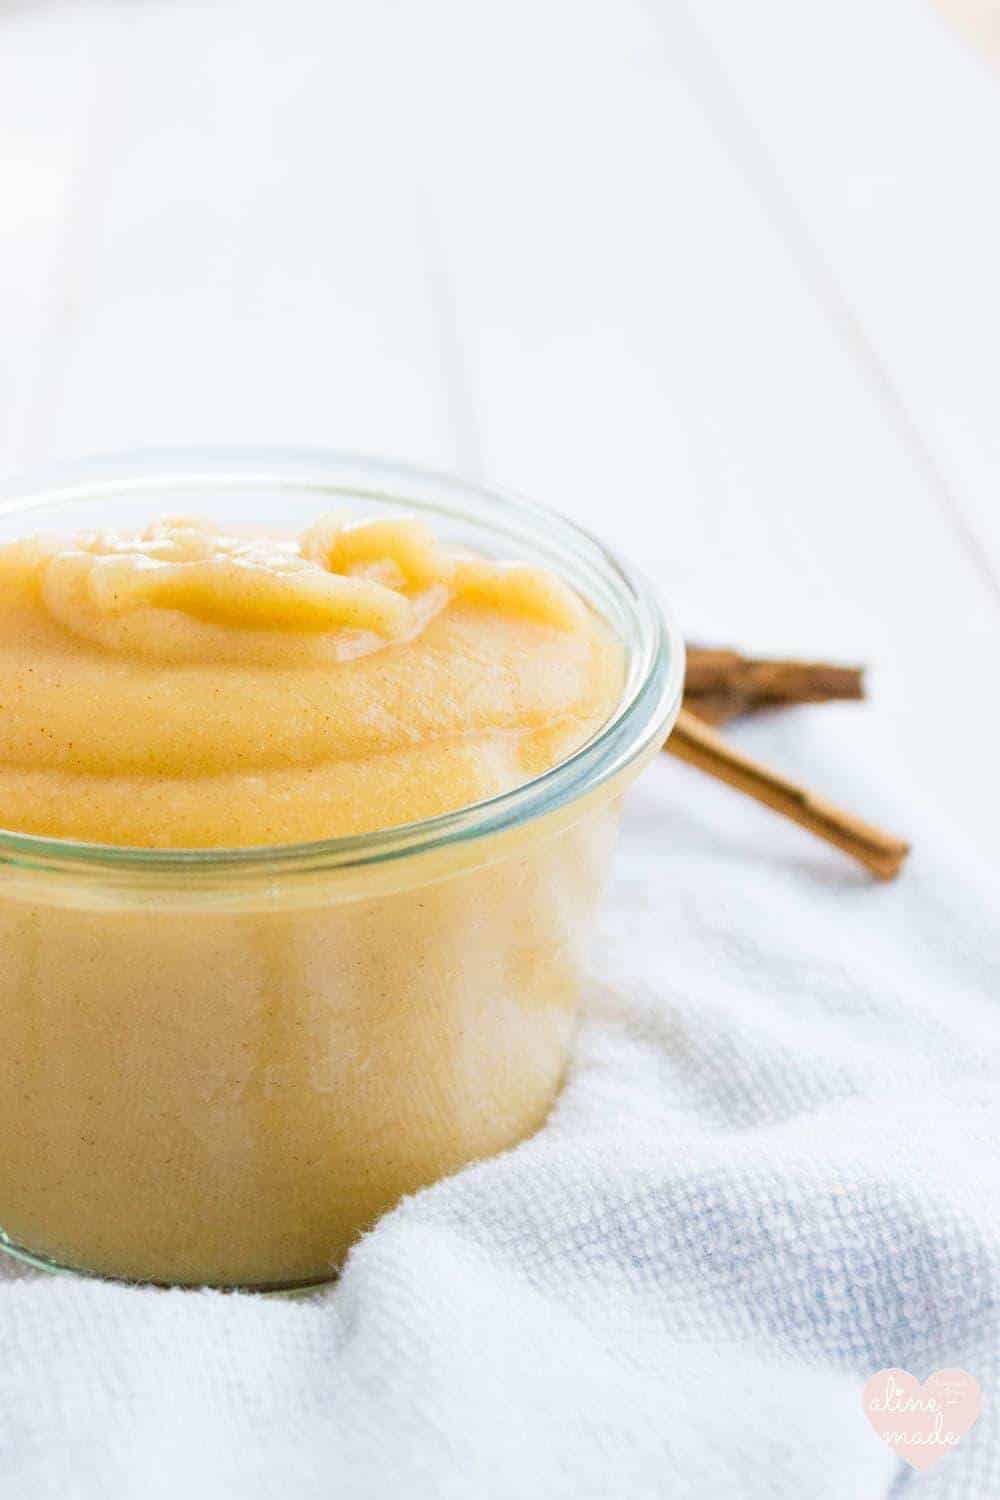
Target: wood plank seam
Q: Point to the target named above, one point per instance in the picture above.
(726, 115)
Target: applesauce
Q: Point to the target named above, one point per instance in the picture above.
(308, 780)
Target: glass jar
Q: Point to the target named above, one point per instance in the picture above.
(221, 1066)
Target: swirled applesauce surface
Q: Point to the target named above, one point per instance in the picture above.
(187, 687)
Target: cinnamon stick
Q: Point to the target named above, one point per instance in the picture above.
(722, 683)
(700, 745)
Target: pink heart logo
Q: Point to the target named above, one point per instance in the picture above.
(921, 1423)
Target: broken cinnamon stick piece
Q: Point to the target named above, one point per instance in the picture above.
(701, 746)
(721, 683)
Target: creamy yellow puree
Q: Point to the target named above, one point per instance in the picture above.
(201, 1089)
(188, 688)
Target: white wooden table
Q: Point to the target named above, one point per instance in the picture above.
(720, 279)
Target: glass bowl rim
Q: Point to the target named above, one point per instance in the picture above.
(646, 711)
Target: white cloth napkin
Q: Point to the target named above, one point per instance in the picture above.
(773, 1172)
